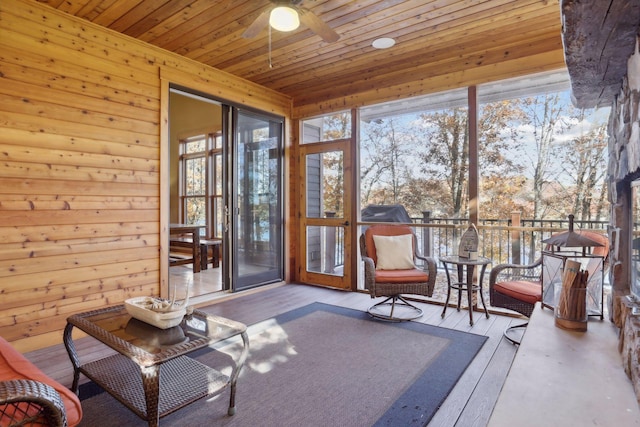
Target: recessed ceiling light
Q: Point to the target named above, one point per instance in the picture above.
(383, 43)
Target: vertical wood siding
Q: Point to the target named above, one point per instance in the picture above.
(80, 165)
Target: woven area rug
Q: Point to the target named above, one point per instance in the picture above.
(322, 365)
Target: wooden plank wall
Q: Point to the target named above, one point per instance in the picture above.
(80, 108)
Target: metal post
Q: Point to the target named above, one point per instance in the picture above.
(516, 221)
(426, 234)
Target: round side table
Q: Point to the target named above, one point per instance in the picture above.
(465, 285)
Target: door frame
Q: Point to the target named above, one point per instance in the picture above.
(167, 83)
(348, 222)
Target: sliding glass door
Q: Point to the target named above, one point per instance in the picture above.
(224, 174)
(255, 208)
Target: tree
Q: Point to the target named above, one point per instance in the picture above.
(336, 126)
(446, 157)
(447, 154)
(502, 182)
(543, 115)
(530, 157)
(384, 176)
(585, 164)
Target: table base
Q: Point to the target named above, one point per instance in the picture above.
(184, 380)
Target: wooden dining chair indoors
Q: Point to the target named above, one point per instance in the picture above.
(389, 253)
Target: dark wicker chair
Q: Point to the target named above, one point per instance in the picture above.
(393, 283)
(516, 287)
(30, 403)
(519, 287)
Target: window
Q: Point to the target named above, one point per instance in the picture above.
(537, 153)
(200, 190)
(327, 128)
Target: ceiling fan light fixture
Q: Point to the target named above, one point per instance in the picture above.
(283, 18)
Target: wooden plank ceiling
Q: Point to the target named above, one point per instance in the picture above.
(433, 38)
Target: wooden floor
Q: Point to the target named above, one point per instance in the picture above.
(469, 404)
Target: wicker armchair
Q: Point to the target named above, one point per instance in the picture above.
(393, 283)
(30, 403)
(516, 287)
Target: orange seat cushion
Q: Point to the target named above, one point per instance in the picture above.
(413, 275)
(526, 291)
(14, 366)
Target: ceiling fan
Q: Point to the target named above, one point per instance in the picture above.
(293, 10)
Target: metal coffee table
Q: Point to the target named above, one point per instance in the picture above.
(144, 354)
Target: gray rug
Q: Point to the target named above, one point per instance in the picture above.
(322, 365)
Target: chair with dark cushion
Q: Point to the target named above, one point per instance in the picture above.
(389, 252)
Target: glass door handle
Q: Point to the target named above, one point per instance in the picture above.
(346, 223)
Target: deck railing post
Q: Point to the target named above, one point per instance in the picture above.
(516, 221)
(426, 234)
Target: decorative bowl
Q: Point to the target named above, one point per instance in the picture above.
(138, 309)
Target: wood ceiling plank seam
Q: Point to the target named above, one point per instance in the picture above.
(260, 43)
(175, 25)
(53, 3)
(250, 70)
(159, 15)
(292, 43)
(442, 66)
(92, 9)
(419, 39)
(425, 71)
(549, 61)
(418, 43)
(524, 31)
(70, 6)
(115, 11)
(141, 11)
(445, 16)
(417, 56)
(185, 36)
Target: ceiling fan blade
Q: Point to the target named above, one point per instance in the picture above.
(317, 25)
(257, 25)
